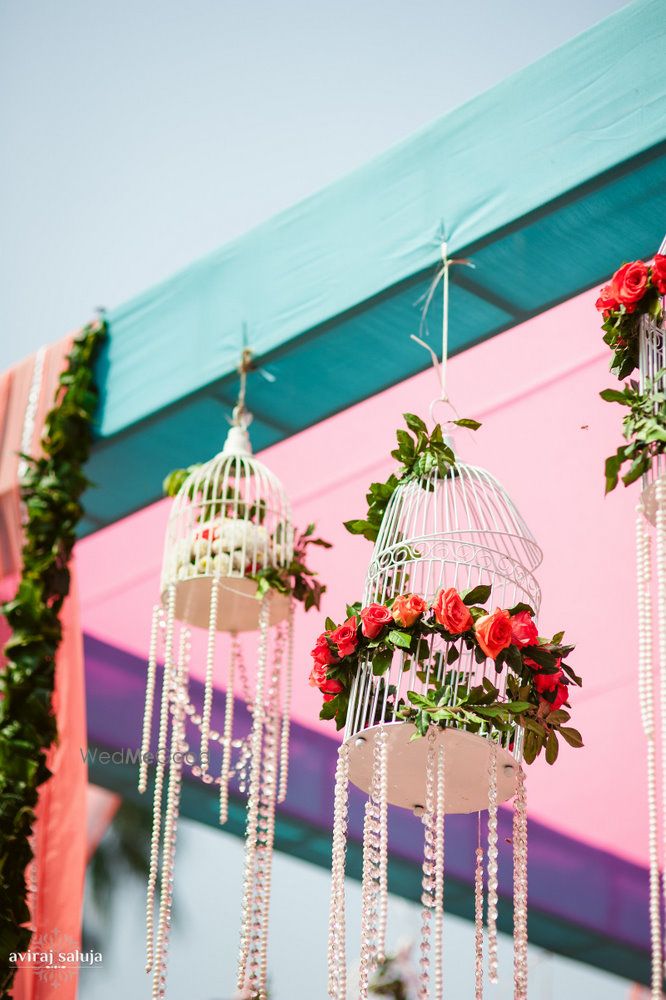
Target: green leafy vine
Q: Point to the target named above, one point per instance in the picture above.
(51, 491)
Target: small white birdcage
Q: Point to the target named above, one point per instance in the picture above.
(652, 366)
(230, 520)
(458, 530)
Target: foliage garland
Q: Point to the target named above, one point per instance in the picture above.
(51, 491)
(632, 298)
(536, 685)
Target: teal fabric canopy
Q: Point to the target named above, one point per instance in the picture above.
(547, 181)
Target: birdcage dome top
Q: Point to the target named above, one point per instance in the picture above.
(230, 520)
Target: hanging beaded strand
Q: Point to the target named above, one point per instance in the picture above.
(428, 876)
(381, 743)
(492, 864)
(228, 734)
(286, 707)
(159, 777)
(438, 937)
(150, 696)
(337, 950)
(660, 526)
(178, 697)
(208, 683)
(646, 701)
(256, 740)
(520, 888)
(478, 916)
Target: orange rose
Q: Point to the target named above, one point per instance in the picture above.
(494, 633)
(451, 612)
(407, 608)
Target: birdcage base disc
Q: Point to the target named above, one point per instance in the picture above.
(466, 761)
(238, 606)
(649, 499)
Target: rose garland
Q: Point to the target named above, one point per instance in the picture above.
(537, 685)
(296, 579)
(51, 490)
(634, 291)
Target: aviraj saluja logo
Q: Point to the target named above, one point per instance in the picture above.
(54, 957)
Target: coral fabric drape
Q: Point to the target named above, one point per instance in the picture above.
(60, 831)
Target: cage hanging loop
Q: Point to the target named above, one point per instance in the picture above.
(241, 416)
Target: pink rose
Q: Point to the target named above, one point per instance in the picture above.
(327, 685)
(345, 637)
(659, 273)
(523, 629)
(493, 633)
(452, 612)
(606, 303)
(373, 619)
(321, 653)
(407, 608)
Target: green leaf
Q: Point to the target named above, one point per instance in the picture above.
(552, 748)
(614, 396)
(330, 625)
(513, 658)
(472, 425)
(477, 595)
(381, 661)
(415, 423)
(399, 638)
(572, 736)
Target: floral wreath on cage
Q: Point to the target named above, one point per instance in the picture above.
(634, 296)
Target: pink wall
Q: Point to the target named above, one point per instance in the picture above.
(545, 436)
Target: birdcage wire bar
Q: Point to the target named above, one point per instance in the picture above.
(652, 362)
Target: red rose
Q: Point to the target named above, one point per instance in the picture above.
(606, 302)
(561, 696)
(493, 633)
(659, 273)
(373, 619)
(545, 682)
(345, 637)
(629, 284)
(327, 685)
(523, 629)
(407, 608)
(451, 612)
(321, 653)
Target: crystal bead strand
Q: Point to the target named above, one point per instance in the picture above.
(520, 888)
(253, 795)
(159, 777)
(337, 960)
(492, 864)
(428, 881)
(286, 707)
(258, 960)
(367, 904)
(171, 819)
(228, 734)
(208, 684)
(150, 695)
(439, 874)
(478, 918)
(381, 742)
(646, 700)
(660, 525)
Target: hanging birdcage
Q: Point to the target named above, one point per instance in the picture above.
(652, 378)
(229, 524)
(458, 530)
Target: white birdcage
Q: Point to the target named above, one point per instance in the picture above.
(457, 530)
(229, 523)
(652, 366)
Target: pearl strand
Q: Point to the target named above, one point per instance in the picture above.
(253, 795)
(646, 699)
(367, 902)
(159, 778)
(520, 888)
(427, 879)
(171, 819)
(660, 525)
(228, 731)
(208, 684)
(439, 874)
(286, 707)
(150, 695)
(478, 923)
(492, 864)
(337, 961)
(381, 743)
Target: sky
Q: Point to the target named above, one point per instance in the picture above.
(138, 135)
